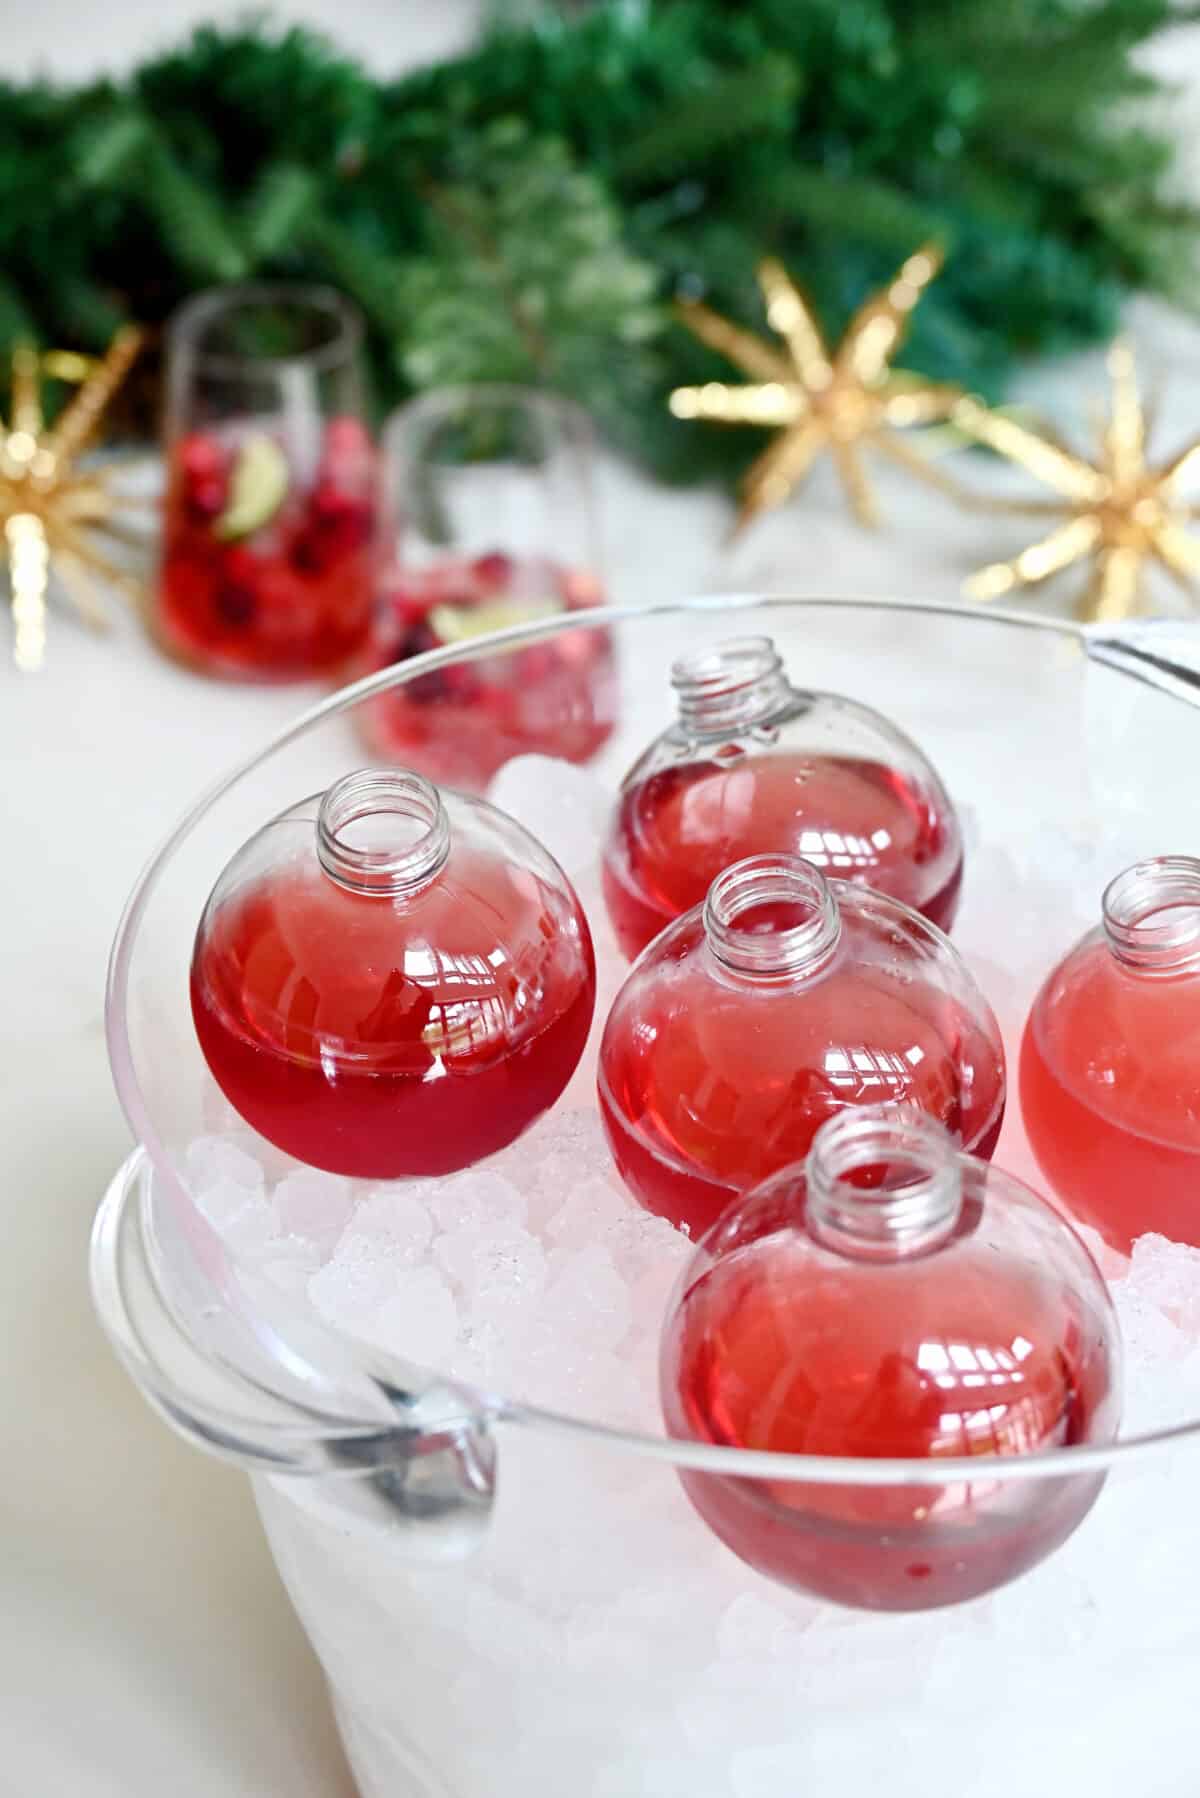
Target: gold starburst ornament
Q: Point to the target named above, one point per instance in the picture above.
(840, 401)
(56, 518)
(1117, 512)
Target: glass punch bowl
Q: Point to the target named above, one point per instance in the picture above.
(446, 1390)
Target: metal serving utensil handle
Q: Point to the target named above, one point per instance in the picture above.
(422, 1465)
(1162, 652)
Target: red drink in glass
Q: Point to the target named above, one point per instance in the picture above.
(384, 1025)
(289, 597)
(1110, 1062)
(269, 555)
(855, 820)
(780, 1003)
(491, 489)
(461, 724)
(754, 766)
(911, 1306)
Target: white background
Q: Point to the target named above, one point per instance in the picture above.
(146, 1646)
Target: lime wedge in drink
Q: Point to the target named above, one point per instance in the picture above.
(257, 488)
(457, 624)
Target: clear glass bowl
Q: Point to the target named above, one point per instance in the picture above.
(495, 1559)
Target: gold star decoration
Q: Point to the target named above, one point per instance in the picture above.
(1117, 512)
(54, 517)
(838, 401)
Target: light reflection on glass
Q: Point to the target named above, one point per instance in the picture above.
(972, 1427)
(867, 1074)
(840, 852)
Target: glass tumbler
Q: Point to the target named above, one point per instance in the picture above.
(491, 492)
(269, 535)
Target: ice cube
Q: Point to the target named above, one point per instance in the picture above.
(251, 1233)
(588, 1301)
(1160, 1382)
(566, 1151)
(550, 1181)
(479, 1195)
(390, 1223)
(419, 1322)
(595, 1209)
(222, 1201)
(312, 1204)
(239, 1213)
(1167, 1274)
(494, 1264)
(211, 1159)
(347, 1292)
(566, 808)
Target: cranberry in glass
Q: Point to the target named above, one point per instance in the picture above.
(891, 1298)
(492, 491)
(463, 723)
(752, 765)
(389, 981)
(783, 1000)
(1110, 1061)
(289, 594)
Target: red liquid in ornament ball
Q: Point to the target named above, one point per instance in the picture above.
(379, 1047)
(1110, 1094)
(462, 723)
(717, 1085)
(855, 820)
(962, 1356)
(291, 596)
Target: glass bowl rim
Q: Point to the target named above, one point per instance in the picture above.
(388, 1371)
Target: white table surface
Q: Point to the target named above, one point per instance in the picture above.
(147, 1646)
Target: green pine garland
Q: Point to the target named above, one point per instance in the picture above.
(525, 212)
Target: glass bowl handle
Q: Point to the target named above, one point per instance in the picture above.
(429, 1479)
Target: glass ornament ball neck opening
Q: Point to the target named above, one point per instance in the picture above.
(740, 682)
(1110, 1061)
(773, 917)
(783, 1000)
(1151, 915)
(752, 765)
(382, 831)
(891, 1297)
(389, 980)
(883, 1184)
